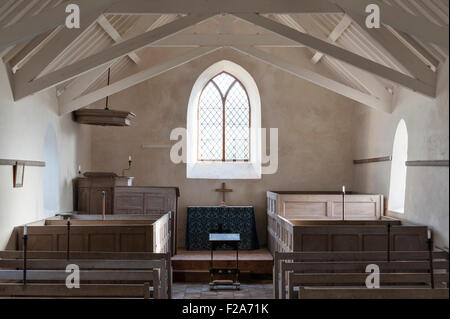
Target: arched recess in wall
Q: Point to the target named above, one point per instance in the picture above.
(198, 168)
(397, 187)
(50, 176)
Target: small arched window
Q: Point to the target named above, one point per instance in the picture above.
(223, 120)
(50, 175)
(397, 188)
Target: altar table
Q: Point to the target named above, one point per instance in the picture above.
(203, 220)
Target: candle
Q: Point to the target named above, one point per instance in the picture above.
(129, 158)
(429, 233)
(25, 230)
(79, 169)
(343, 189)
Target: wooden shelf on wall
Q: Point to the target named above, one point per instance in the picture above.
(13, 162)
(428, 163)
(373, 160)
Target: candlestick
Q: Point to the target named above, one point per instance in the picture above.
(25, 240)
(129, 166)
(388, 250)
(430, 259)
(103, 205)
(68, 238)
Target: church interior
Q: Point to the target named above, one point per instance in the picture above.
(206, 149)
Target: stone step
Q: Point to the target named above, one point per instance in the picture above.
(202, 276)
(253, 266)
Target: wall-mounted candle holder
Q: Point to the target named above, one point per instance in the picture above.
(130, 162)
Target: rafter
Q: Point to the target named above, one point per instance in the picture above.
(23, 51)
(119, 50)
(220, 6)
(84, 81)
(340, 28)
(361, 78)
(32, 26)
(195, 40)
(422, 53)
(43, 59)
(112, 32)
(317, 79)
(134, 79)
(340, 54)
(398, 51)
(20, 12)
(401, 20)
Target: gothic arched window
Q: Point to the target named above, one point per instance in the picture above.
(397, 189)
(224, 120)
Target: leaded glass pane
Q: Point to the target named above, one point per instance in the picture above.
(237, 119)
(224, 113)
(210, 124)
(224, 81)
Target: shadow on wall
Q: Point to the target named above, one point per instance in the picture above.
(50, 177)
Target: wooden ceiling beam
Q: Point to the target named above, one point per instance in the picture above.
(32, 26)
(418, 49)
(400, 53)
(134, 79)
(94, 61)
(140, 7)
(84, 81)
(112, 32)
(32, 47)
(195, 40)
(353, 75)
(340, 54)
(399, 19)
(317, 79)
(45, 56)
(340, 28)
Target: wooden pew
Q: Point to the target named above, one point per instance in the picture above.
(335, 267)
(89, 261)
(51, 283)
(380, 293)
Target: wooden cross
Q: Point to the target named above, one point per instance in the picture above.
(223, 190)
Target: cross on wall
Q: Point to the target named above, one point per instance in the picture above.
(223, 190)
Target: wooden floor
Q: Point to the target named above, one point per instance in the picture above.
(193, 266)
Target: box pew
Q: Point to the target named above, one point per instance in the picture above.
(117, 233)
(314, 221)
(350, 235)
(92, 261)
(327, 267)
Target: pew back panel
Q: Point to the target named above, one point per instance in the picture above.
(120, 282)
(93, 261)
(334, 268)
(85, 291)
(381, 293)
(325, 205)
